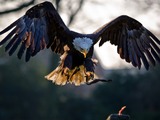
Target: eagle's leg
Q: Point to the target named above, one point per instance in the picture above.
(89, 65)
(67, 65)
(60, 75)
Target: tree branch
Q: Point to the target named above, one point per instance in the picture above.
(74, 13)
(18, 8)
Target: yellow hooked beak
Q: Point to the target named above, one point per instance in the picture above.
(84, 52)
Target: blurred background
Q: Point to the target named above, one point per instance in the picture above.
(26, 95)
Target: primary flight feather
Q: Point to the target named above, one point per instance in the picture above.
(42, 27)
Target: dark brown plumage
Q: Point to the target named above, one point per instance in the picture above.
(42, 27)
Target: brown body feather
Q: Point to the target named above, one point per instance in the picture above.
(73, 68)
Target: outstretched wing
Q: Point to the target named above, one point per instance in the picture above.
(39, 28)
(134, 42)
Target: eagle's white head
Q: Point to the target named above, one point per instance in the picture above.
(83, 45)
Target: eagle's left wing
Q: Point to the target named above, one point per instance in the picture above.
(134, 42)
(39, 28)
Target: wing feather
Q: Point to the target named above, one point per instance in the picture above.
(9, 36)
(151, 59)
(155, 55)
(132, 54)
(125, 48)
(21, 50)
(40, 27)
(138, 53)
(11, 42)
(134, 42)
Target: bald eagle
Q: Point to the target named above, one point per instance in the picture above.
(42, 27)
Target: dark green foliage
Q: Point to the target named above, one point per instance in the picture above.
(26, 95)
(139, 92)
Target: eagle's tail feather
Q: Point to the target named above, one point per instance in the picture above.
(57, 77)
(75, 76)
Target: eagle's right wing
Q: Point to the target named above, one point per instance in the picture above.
(39, 28)
(134, 42)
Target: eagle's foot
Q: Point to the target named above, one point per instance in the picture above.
(66, 71)
(95, 61)
(89, 75)
(98, 80)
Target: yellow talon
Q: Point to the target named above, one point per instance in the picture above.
(66, 70)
